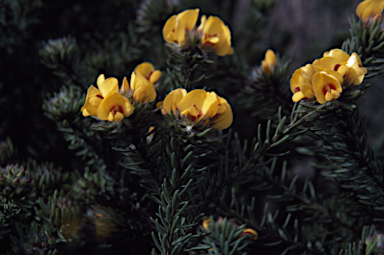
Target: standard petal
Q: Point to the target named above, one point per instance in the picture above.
(168, 29)
(145, 69)
(194, 98)
(189, 18)
(172, 99)
(100, 79)
(108, 86)
(369, 8)
(210, 106)
(339, 54)
(213, 26)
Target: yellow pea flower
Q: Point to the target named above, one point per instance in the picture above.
(338, 62)
(301, 83)
(269, 63)
(96, 95)
(370, 9)
(326, 87)
(199, 107)
(147, 70)
(252, 232)
(143, 90)
(114, 107)
(177, 27)
(215, 35)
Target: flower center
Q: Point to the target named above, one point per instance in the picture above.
(328, 88)
(116, 108)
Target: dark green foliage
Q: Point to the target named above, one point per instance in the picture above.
(302, 175)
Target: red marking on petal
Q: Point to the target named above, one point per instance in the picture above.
(121, 109)
(297, 89)
(332, 86)
(325, 90)
(100, 96)
(328, 88)
(192, 118)
(336, 67)
(149, 76)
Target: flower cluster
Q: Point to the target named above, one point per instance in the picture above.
(370, 10)
(198, 109)
(108, 102)
(212, 35)
(326, 78)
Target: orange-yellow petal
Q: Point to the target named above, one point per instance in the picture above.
(108, 86)
(369, 8)
(139, 81)
(140, 95)
(113, 107)
(209, 107)
(339, 54)
(206, 224)
(168, 29)
(125, 86)
(89, 109)
(145, 69)
(323, 84)
(194, 98)
(270, 57)
(172, 99)
(224, 120)
(218, 36)
(189, 18)
(252, 232)
(100, 79)
(298, 96)
(155, 76)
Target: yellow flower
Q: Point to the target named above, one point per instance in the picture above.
(143, 90)
(215, 35)
(206, 223)
(301, 83)
(370, 9)
(95, 96)
(338, 62)
(252, 232)
(147, 70)
(177, 27)
(199, 107)
(269, 63)
(114, 107)
(326, 86)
